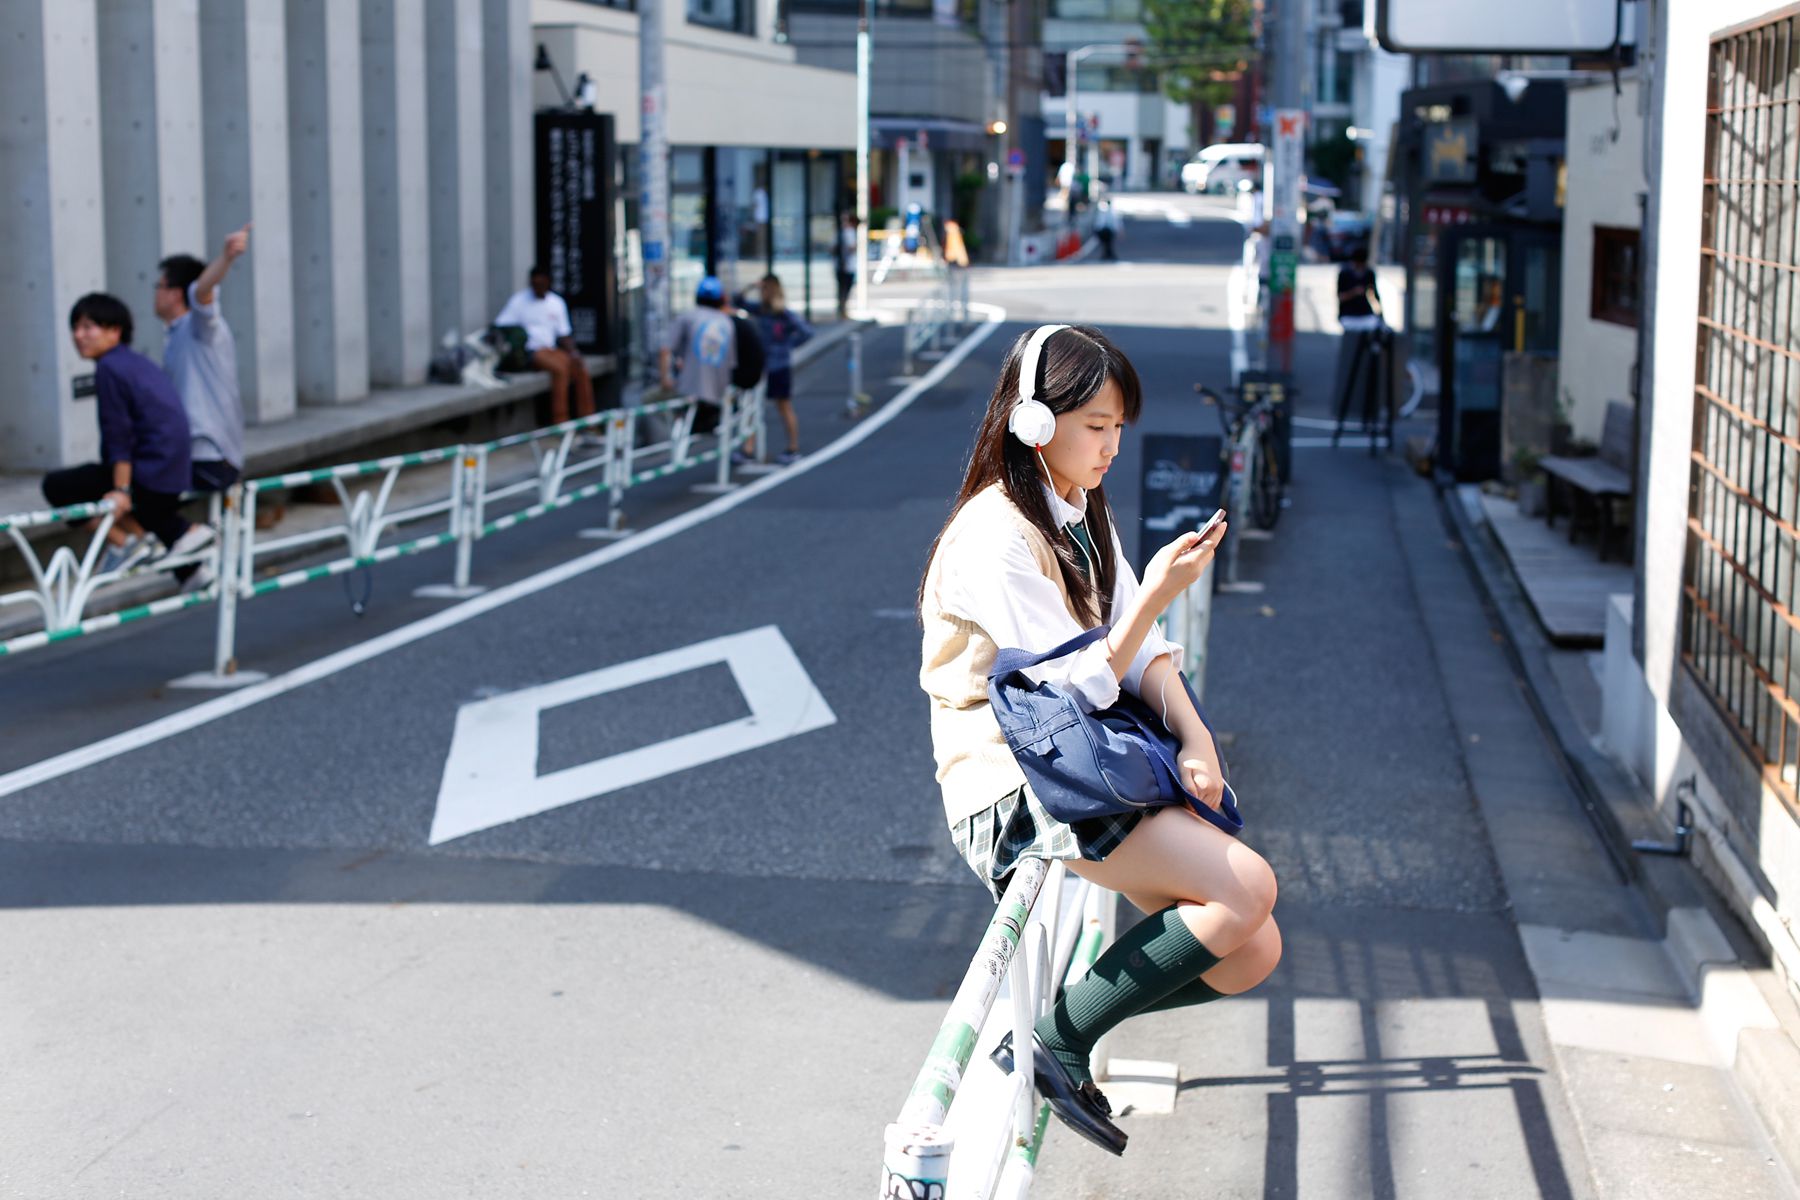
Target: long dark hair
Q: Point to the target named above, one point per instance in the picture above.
(1075, 364)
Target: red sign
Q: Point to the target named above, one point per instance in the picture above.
(1445, 214)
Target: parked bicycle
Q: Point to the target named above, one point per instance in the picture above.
(1253, 478)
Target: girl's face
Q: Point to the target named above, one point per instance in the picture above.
(1086, 441)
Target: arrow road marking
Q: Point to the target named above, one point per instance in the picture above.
(490, 776)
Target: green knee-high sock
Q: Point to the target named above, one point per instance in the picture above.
(1146, 963)
(1195, 991)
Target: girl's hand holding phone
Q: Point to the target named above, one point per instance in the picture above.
(1178, 565)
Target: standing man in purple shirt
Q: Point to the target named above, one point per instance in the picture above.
(144, 456)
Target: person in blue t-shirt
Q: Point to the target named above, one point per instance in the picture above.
(782, 329)
(145, 461)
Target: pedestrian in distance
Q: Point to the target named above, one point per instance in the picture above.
(1106, 228)
(782, 329)
(1359, 304)
(200, 356)
(700, 352)
(145, 461)
(1028, 559)
(550, 343)
(845, 254)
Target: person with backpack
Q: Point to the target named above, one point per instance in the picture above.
(780, 329)
(701, 353)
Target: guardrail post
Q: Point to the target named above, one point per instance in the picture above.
(906, 344)
(729, 418)
(857, 402)
(236, 515)
(466, 487)
(915, 1162)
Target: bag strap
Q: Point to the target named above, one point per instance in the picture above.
(1008, 661)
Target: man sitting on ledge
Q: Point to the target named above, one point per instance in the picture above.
(550, 343)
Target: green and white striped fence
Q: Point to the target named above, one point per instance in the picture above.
(63, 588)
(957, 1143)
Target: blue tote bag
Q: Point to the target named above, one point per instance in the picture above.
(1082, 765)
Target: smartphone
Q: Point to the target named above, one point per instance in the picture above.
(1218, 515)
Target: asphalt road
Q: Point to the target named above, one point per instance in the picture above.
(236, 965)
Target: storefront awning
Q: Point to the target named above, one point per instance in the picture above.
(937, 133)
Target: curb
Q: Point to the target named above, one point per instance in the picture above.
(1763, 1058)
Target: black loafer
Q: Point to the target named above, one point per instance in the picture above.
(1083, 1107)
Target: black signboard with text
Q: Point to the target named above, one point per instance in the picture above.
(575, 154)
(1182, 481)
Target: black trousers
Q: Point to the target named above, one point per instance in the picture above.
(213, 474)
(159, 512)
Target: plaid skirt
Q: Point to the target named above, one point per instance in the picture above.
(994, 840)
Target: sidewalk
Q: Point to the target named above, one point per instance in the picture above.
(1468, 964)
(1710, 965)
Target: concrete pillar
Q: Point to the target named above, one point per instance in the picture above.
(52, 228)
(325, 158)
(455, 125)
(507, 54)
(396, 191)
(150, 147)
(243, 88)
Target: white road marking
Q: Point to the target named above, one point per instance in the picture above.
(491, 777)
(223, 706)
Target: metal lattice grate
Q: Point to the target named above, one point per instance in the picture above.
(1740, 630)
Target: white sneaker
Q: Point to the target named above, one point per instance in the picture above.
(198, 537)
(125, 555)
(200, 580)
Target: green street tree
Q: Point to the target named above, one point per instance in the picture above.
(1200, 49)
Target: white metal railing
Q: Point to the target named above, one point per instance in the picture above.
(952, 1142)
(957, 1144)
(563, 473)
(62, 587)
(940, 315)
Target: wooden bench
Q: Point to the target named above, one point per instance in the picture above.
(1593, 482)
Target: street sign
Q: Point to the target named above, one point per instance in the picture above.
(1290, 148)
(1181, 487)
(1015, 160)
(574, 161)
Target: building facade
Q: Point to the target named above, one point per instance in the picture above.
(1139, 137)
(761, 163)
(1701, 674)
(380, 149)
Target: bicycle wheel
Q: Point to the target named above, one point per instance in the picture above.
(1265, 486)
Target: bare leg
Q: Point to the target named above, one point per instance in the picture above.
(556, 363)
(584, 386)
(1225, 889)
(792, 422)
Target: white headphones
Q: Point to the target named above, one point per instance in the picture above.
(1031, 421)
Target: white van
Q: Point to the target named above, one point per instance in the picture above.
(1219, 168)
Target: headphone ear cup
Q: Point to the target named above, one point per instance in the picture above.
(1032, 423)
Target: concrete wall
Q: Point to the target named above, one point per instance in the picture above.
(139, 128)
(1657, 721)
(52, 226)
(724, 90)
(1606, 177)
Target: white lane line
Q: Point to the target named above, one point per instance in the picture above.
(350, 656)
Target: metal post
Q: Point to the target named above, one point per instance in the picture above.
(653, 176)
(906, 344)
(225, 641)
(861, 261)
(462, 484)
(1287, 148)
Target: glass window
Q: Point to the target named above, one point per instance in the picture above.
(687, 224)
(733, 16)
(1098, 10)
(1615, 283)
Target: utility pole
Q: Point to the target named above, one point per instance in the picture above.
(861, 264)
(653, 178)
(1287, 157)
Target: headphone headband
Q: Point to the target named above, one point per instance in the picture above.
(1028, 368)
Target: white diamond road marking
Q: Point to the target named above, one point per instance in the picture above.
(490, 775)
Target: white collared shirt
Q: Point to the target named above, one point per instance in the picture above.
(993, 580)
(544, 320)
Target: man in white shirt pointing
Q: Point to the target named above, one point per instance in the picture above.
(550, 341)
